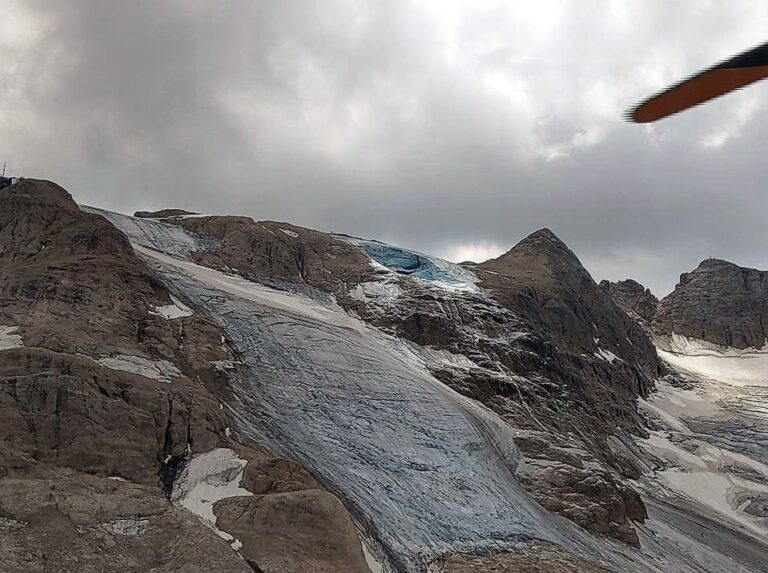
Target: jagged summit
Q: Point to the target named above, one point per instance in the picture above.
(636, 300)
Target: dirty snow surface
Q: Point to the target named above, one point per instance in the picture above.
(710, 440)
(160, 370)
(206, 479)
(9, 338)
(176, 309)
(423, 470)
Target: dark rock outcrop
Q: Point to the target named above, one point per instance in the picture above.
(162, 214)
(632, 297)
(719, 302)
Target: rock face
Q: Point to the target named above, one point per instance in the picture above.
(636, 300)
(599, 356)
(109, 386)
(544, 282)
(719, 302)
(157, 373)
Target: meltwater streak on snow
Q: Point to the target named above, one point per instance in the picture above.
(424, 267)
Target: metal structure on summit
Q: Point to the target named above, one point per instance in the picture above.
(729, 75)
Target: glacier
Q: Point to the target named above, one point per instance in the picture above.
(423, 470)
(417, 265)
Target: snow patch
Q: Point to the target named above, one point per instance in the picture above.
(130, 527)
(160, 370)
(382, 291)
(748, 367)
(9, 338)
(224, 365)
(372, 559)
(194, 216)
(176, 309)
(207, 479)
(607, 355)
(290, 233)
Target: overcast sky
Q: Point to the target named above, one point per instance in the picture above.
(452, 127)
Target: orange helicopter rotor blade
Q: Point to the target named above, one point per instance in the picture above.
(727, 76)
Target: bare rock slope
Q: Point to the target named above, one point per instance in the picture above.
(109, 388)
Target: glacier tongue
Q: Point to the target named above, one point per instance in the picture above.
(423, 470)
(413, 461)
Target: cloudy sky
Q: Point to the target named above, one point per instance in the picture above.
(453, 127)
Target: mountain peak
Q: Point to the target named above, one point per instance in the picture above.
(543, 239)
(545, 233)
(542, 248)
(713, 263)
(718, 301)
(632, 297)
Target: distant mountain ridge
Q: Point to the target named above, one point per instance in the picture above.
(717, 302)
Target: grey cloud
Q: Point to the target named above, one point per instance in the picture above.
(437, 125)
